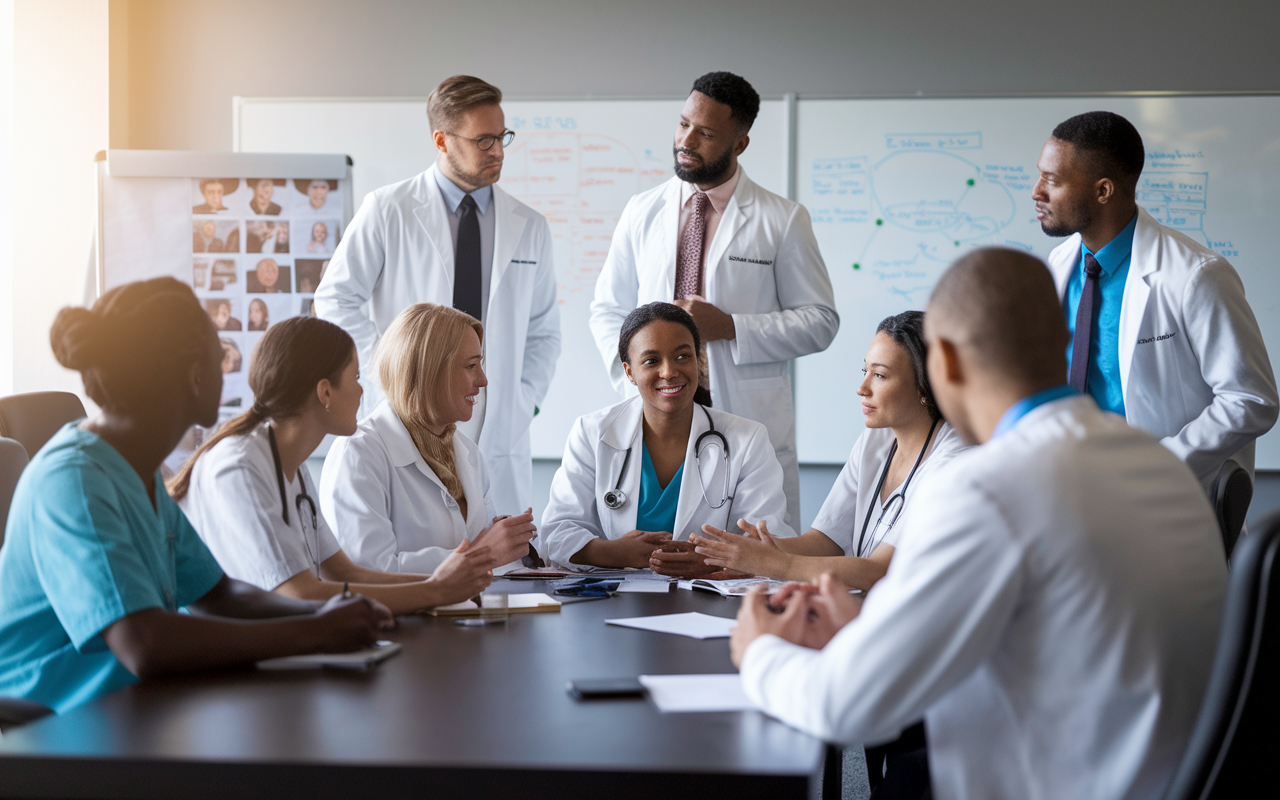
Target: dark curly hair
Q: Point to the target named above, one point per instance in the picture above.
(907, 331)
(733, 91)
(638, 319)
(1109, 142)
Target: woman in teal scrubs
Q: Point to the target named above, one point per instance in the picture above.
(98, 560)
(638, 477)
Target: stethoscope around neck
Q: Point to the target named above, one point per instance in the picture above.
(298, 502)
(615, 498)
(892, 509)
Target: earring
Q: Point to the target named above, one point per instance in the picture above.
(923, 402)
(326, 407)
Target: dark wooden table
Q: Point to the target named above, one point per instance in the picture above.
(461, 712)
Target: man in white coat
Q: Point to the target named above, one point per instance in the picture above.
(1054, 607)
(1162, 332)
(450, 236)
(742, 260)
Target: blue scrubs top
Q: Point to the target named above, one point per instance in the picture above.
(657, 509)
(84, 547)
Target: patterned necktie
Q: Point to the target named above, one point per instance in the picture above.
(1079, 376)
(466, 260)
(689, 256)
(689, 269)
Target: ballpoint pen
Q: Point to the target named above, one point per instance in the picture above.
(346, 590)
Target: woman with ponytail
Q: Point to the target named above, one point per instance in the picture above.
(407, 492)
(98, 559)
(638, 477)
(247, 494)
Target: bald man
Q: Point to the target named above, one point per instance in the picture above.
(1052, 611)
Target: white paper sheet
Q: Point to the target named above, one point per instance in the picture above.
(648, 586)
(679, 693)
(691, 623)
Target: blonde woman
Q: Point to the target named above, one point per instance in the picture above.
(407, 489)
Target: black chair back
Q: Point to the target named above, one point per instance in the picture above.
(1231, 753)
(34, 418)
(1232, 494)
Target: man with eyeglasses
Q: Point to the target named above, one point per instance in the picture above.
(450, 236)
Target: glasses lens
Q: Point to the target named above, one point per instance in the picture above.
(485, 142)
(507, 138)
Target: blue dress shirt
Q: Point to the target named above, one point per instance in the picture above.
(1028, 404)
(657, 508)
(1104, 350)
(453, 195)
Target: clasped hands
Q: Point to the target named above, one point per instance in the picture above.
(713, 324)
(805, 614)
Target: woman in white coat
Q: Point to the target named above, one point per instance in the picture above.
(406, 489)
(245, 490)
(640, 476)
(856, 531)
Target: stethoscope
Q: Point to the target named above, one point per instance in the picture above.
(892, 509)
(302, 497)
(615, 498)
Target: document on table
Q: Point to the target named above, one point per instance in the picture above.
(360, 659)
(691, 623)
(645, 585)
(677, 693)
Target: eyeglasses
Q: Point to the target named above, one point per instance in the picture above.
(485, 142)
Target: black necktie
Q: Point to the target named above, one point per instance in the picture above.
(466, 260)
(1079, 377)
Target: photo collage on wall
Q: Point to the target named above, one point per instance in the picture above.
(259, 248)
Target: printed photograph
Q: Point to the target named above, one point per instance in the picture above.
(222, 312)
(232, 359)
(259, 315)
(210, 193)
(264, 190)
(215, 236)
(265, 236)
(318, 197)
(310, 271)
(268, 277)
(315, 238)
(222, 275)
(200, 273)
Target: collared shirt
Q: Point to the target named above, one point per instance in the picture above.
(453, 196)
(1028, 404)
(719, 197)
(1104, 349)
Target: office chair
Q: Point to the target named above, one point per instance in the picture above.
(35, 417)
(1231, 753)
(13, 459)
(1232, 494)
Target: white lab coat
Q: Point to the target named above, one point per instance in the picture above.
(1053, 611)
(398, 251)
(763, 267)
(1193, 367)
(593, 456)
(233, 502)
(388, 509)
(846, 508)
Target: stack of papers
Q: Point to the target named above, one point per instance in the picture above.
(645, 585)
(691, 624)
(678, 693)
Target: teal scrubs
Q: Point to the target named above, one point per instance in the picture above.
(657, 509)
(84, 547)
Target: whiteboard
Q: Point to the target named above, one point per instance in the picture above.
(575, 161)
(899, 188)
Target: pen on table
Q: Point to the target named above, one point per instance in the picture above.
(346, 590)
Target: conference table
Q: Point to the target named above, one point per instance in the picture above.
(459, 712)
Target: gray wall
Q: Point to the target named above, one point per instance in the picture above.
(188, 59)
